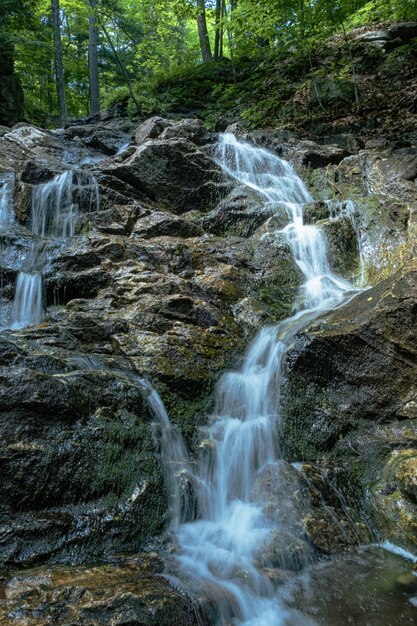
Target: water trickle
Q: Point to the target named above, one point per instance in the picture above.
(221, 544)
(53, 216)
(6, 199)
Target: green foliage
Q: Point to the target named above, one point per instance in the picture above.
(384, 10)
(158, 51)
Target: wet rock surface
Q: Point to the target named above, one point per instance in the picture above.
(168, 280)
(350, 396)
(125, 591)
(138, 291)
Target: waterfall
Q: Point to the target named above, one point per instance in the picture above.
(220, 541)
(6, 199)
(53, 216)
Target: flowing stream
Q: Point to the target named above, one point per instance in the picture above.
(219, 527)
(6, 199)
(53, 214)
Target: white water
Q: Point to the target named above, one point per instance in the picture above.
(53, 216)
(6, 199)
(220, 530)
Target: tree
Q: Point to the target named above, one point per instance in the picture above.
(203, 32)
(218, 37)
(59, 65)
(93, 59)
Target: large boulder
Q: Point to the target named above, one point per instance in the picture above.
(175, 173)
(240, 213)
(350, 392)
(76, 456)
(159, 128)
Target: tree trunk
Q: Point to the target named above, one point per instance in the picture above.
(218, 41)
(203, 32)
(93, 59)
(122, 67)
(59, 64)
(229, 40)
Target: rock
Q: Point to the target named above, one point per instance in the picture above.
(159, 224)
(240, 214)
(175, 173)
(361, 369)
(331, 92)
(106, 138)
(76, 442)
(312, 155)
(378, 182)
(192, 130)
(36, 174)
(151, 128)
(342, 246)
(371, 573)
(374, 38)
(130, 591)
(308, 513)
(401, 33)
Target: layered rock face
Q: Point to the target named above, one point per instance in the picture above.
(144, 290)
(350, 397)
(125, 591)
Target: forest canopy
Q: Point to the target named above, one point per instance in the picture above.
(101, 51)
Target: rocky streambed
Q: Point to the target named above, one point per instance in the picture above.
(168, 279)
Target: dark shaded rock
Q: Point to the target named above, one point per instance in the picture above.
(79, 475)
(332, 93)
(106, 138)
(175, 173)
(309, 514)
(127, 591)
(159, 224)
(342, 246)
(401, 33)
(350, 372)
(36, 174)
(310, 154)
(240, 214)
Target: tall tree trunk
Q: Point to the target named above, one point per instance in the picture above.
(59, 64)
(203, 32)
(93, 59)
(122, 67)
(229, 40)
(218, 40)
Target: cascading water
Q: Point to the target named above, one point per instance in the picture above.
(221, 542)
(6, 199)
(53, 214)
